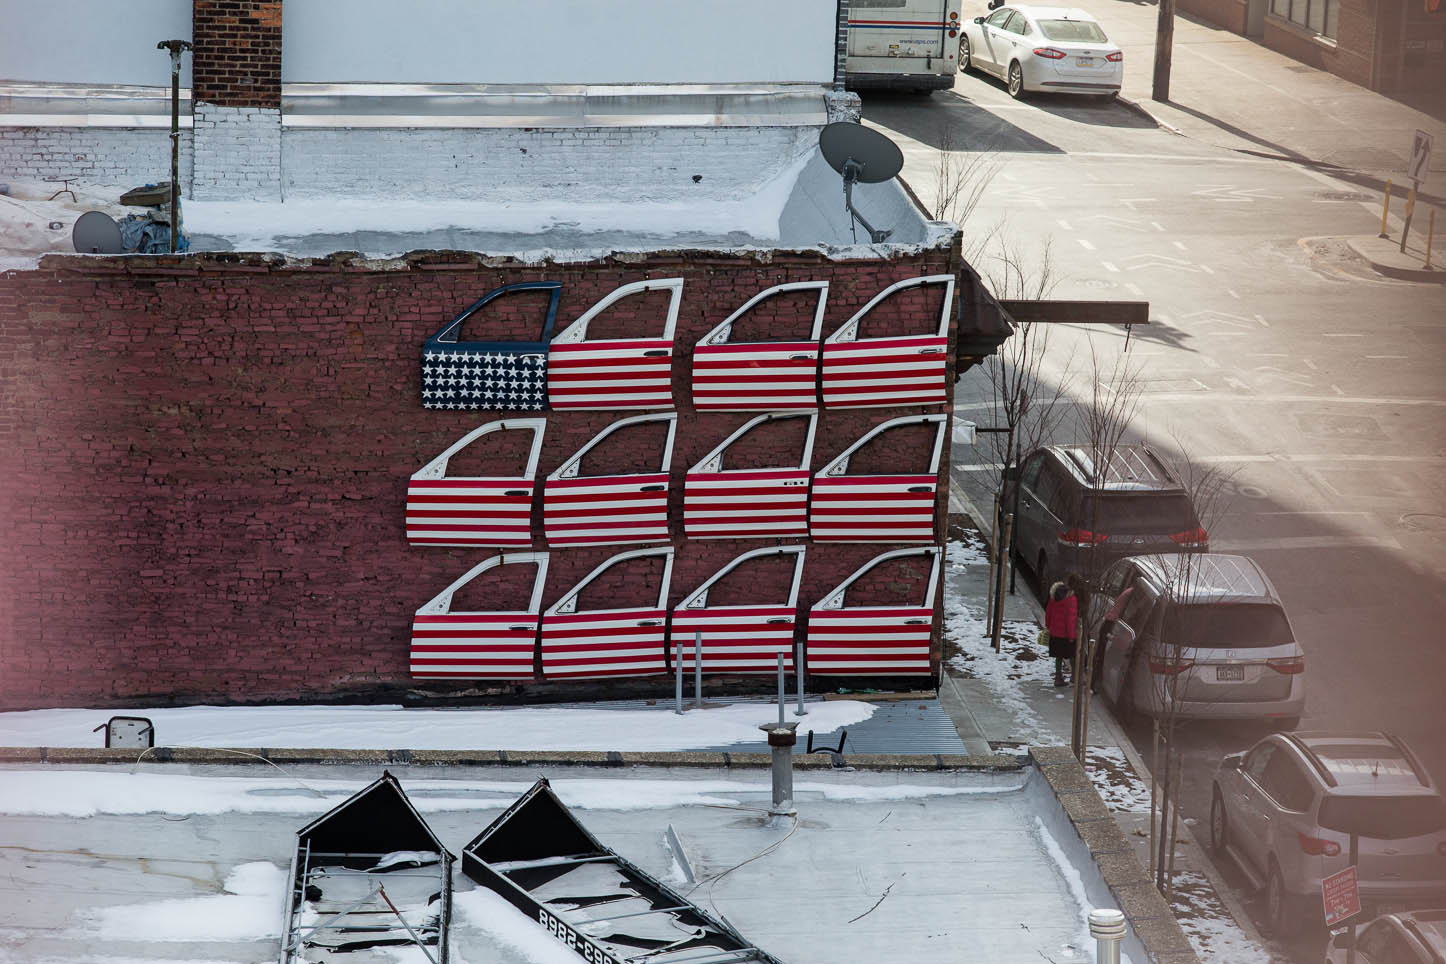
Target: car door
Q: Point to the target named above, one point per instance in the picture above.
(615, 373)
(847, 637)
(601, 510)
(489, 511)
(1250, 810)
(739, 639)
(995, 42)
(1128, 632)
(489, 374)
(488, 644)
(897, 507)
(753, 502)
(768, 376)
(1026, 523)
(860, 372)
(597, 643)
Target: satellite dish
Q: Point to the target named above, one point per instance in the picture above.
(862, 156)
(96, 233)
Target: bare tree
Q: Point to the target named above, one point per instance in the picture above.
(960, 178)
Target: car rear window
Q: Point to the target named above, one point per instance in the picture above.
(1222, 625)
(1384, 818)
(1137, 512)
(1073, 31)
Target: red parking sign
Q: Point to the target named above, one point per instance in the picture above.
(1342, 896)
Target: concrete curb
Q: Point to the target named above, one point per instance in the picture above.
(1145, 112)
(496, 758)
(1365, 247)
(1149, 917)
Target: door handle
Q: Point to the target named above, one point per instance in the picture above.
(516, 629)
(803, 356)
(921, 488)
(930, 351)
(652, 488)
(518, 492)
(656, 352)
(650, 622)
(915, 622)
(780, 619)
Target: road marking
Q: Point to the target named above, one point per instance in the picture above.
(1161, 157)
(1065, 224)
(1289, 543)
(1319, 457)
(1207, 269)
(1232, 194)
(1109, 267)
(1309, 364)
(1388, 356)
(1231, 293)
(1313, 512)
(981, 467)
(1130, 202)
(1180, 245)
(1270, 354)
(1263, 322)
(1085, 244)
(1342, 334)
(1337, 389)
(1139, 292)
(1157, 225)
(1297, 399)
(1163, 261)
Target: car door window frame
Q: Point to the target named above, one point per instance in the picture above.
(998, 18)
(1260, 755)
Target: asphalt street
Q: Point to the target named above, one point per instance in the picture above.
(1271, 353)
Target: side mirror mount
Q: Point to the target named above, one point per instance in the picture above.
(978, 19)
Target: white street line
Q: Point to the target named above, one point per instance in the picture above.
(1110, 267)
(1180, 245)
(1085, 244)
(1263, 322)
(980, 467)
(1388, 356)
(1231, 293)
(1065, 224)
(1207, 269)
(1288, 543)
(1270, 354)
(1156, 224)
(1309, 364)
(1342, 334)
(1313, 512)
(1139, 292)
(1319, 457)
(1337, 389)
(1296, 399)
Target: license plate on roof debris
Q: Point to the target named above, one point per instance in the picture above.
(1230, 674)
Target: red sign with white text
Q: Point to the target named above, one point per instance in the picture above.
(1342, 896)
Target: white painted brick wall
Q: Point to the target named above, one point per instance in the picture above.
(100, 156)
(238, 153)
(654, 164)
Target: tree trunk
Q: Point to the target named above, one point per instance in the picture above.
(1164, 48)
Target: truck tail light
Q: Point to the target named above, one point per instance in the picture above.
(1169, 665)
(1289, 665)
(1081, 537)
(1196, 538)
(1317, 847)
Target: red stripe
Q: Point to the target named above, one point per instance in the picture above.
(871, 613)
(646, 381)
(551, 649)
(601, 673)
(558, 636)
(492, 617)
(741, 347)
(735, 376)
(452, 541)
(712, 612)
(590, 617)
(461, 483)
(747, 475)
(905, 341)
(610, 344)
(858, 480)
(494, 675)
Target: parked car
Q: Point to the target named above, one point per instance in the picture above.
(1204, 636)
(1056, 49)
(1285, 811)
(1405, 938)
(1073, 516)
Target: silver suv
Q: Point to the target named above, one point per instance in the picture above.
(1285, 811)
(1418, 938)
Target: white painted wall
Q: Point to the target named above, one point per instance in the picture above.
(107, 156)
(558, 41)
(92, 41)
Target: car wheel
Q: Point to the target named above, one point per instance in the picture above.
(1219, 825)
(1016, 81)
(966, 63)
(1281, 918)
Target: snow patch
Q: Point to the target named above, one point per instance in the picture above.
(1208, 924)
(247, 911)
(1115, 780)
(488, 913)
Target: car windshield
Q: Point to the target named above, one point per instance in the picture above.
(1384, 818)
(1138, 512)
(1221, 625)
(1075, 31)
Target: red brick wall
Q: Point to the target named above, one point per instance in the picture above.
(1229, 14)
(204, 460)
(236, 61)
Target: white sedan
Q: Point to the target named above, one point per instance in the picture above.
(1058, 49)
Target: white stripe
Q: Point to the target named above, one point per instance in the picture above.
(567, 353)
(554, 489)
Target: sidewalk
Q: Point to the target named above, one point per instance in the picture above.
(1235, 93)
(1003, 701)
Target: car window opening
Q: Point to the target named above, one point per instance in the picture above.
(1073, 31)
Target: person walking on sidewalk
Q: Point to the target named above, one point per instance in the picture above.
(1060, 615)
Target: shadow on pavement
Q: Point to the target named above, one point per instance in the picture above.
(948, 115)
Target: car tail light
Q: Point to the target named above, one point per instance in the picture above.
(1081, 537)
(1049, 52)
(1317, 847)
(1288, 665)
(1169, 666)
(1196, 538)
(1115, 57)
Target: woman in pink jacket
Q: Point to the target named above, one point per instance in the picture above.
(1060, 615)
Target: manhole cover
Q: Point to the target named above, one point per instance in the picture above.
(1424, 521)
(1343, 196)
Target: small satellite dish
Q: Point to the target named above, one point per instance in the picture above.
(96, 232)
(862, 156)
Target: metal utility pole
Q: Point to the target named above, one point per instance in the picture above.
(1164, 46)
(176, 47)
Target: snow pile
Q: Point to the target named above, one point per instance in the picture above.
(1115, 780)
(26, 216)
(486, 912)
(395, 727)
(247, 911)
(84, 793)
(1208, 923)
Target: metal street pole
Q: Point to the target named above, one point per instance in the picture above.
(176, 47)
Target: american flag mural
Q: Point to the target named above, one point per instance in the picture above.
(872, 640)
(609, 509)
(872, 372)
(478, 645)
(876, 508)
(759, 376)
(590, 644)
(744, 503)
(474, 511)
(614, 373)
(738, 639)
(489, 374)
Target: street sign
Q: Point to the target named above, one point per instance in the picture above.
(1420, 156)
(1341, 895)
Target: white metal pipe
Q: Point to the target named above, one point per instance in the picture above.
(1108, 927)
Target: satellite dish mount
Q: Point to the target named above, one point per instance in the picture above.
(862, 156)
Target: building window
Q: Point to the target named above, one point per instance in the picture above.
(1317, 16)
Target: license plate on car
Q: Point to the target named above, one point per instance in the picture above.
(1230, 674)
(1084, 61)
